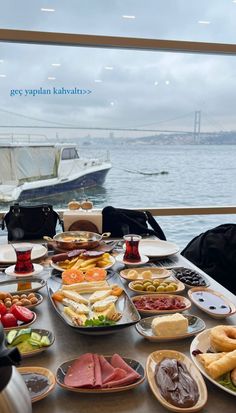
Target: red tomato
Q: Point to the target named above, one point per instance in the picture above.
(21, 313)
(3, 309)
(9, 320)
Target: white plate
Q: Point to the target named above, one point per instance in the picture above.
(158, 273)
(8, 255)
(157, 248)
(144, 260)
(179, 287)
(158, 296)
(215, 300)
(144, 328)
(11, 271)
(202, 342)
(57, 267)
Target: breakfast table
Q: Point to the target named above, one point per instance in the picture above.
(69, 344)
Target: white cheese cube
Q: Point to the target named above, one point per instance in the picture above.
(169, 325)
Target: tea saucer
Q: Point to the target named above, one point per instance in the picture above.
(144, 260)
(11, 271)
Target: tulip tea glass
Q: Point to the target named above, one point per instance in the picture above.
(23, 258)
(131, 248)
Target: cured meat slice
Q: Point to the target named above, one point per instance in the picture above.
(97, 371)
(110, 373)
(81, 372)
(118, 374)
(94, 371)
(119, 364)
(128, 379)
(106, 368)
(117, 361)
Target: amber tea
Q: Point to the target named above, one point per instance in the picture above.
(132, 248)
(23, 259)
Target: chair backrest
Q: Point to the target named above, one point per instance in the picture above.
(214, 252)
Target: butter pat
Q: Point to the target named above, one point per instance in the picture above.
(132, 274)
(146, 275)
(169, 325)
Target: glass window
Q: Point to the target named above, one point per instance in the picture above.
(167, 119)
(202, 20)
(69, 153)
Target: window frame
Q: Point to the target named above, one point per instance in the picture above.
(114, 42)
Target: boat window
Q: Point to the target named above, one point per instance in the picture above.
(69, 153)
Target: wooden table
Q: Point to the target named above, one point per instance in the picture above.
(128, 343)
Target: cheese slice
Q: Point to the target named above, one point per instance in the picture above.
(77, 307)
(104, 304)
(77, 319)
(99, 295)
(73, 295)
(169, 325)
(110, 312)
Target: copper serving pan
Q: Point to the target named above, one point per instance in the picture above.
(71, 240)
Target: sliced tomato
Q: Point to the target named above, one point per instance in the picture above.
(9, 320)
(3, 309)
(22, 313)
(72, 276)
(95, 274)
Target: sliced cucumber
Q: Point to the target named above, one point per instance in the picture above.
(11, 335)
(36, 336)
(45, 341)
(22, 335)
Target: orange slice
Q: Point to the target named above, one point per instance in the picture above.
(95, 274)
(72, 276)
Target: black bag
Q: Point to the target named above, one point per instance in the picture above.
(120, 222)
(214, 252)
(30, 222)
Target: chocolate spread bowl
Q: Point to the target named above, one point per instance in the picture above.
(154, 360)
(71, 240)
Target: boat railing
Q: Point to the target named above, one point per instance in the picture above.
(23, 139)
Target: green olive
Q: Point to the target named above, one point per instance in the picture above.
(138, 287)
(151, 288)
(170, 288)
(160, 288)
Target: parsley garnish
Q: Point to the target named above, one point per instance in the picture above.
(101, 320)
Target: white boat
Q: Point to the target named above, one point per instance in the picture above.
(31, 171)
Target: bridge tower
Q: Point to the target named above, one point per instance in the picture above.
(197, 125)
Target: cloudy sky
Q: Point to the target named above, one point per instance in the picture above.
(121, 88)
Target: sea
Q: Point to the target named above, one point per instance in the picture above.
(145, 176)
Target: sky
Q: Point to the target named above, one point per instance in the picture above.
(107, 88)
